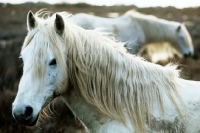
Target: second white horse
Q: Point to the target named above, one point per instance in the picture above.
(138, 29)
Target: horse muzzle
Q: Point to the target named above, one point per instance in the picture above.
(24, 115)
(189, 54)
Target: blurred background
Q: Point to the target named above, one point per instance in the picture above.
(13, 30)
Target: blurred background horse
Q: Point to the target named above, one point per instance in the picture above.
(138, 30)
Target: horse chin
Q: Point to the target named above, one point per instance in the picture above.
(29, 122)
(33, 123)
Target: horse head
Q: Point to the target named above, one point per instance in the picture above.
(184, 41)
(42, 79)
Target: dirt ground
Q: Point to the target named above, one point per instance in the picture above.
(13, 31)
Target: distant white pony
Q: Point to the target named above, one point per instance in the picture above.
(138, 29)
(108, 89)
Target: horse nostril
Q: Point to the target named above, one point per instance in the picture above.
(28, 112)
(188, 54)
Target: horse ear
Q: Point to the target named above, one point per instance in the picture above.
(31, 23)
(59, 24)
(179, 28)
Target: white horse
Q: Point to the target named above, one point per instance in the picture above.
(108, 89)
(138, 29)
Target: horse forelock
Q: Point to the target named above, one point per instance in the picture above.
(114, 82)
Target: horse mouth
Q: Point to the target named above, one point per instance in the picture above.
(186, 55)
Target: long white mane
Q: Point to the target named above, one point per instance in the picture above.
(112, 81)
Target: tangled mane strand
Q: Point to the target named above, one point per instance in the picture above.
(114, 82)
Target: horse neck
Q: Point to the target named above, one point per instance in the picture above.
(94, 122)
(90, 118)
(82, 60)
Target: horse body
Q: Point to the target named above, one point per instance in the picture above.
(189, 92)
(138, 29)
(109, 90)
(94, 122)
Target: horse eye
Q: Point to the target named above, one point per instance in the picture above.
(53, 62)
